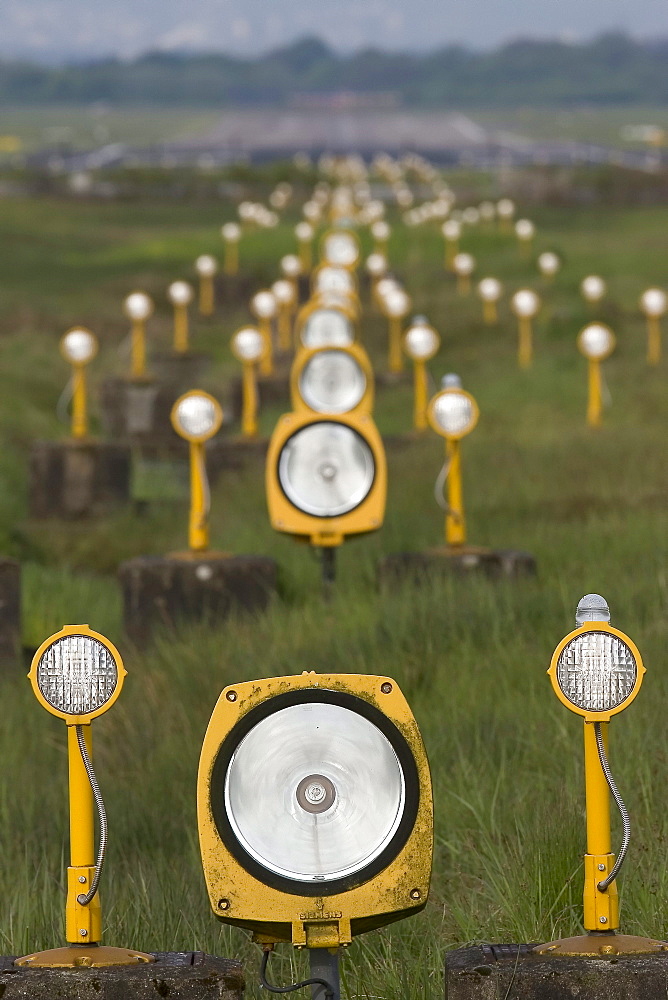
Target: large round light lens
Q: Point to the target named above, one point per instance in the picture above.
(196, 416)
(596, 341)
(332, 382)
(326, 469)
(340, 249)
(314, 792)
(77, 675)
(454, 412)
(596, 671)
(78, 346)
(248, 344)
(327, 328)
(334, 279)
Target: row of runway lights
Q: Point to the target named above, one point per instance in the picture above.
(314, 801)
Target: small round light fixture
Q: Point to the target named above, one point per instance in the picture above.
(180, 293)
(421, 341)
(248, 344)
(197, 416)
(525, 230)
(231, 232)
(206, 266)
(78, 346)
(596, 341)
(138, 306)
(263, 305)
(654, 302)
(291, 266)
(548, 264)
(453, 413)
(341, 249)
(525, 303)
(593, 288)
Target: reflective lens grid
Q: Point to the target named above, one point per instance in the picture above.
(596, 671)
(77, 675)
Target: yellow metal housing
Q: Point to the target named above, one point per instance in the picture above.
(355, 351)
(326, 531)
(240, 892)
(587, 714)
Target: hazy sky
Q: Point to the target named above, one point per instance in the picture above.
(81, 28)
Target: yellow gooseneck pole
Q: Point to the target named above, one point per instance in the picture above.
(463, 284)
(83, 924)
(455, 526)
(594, 405)
(249, 401)
(181, 337)
(451, 251)
(490, 313)
(601, 909)
(525, 342)
(420, 395)
(79, 402)
(138, 349)
(231, 258)
(653, 340)
(198, 527)
(395, 359)
(206, 295)
(267, 362)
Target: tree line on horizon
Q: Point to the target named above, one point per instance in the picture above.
(612, 69)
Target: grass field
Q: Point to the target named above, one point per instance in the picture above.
(470, 655)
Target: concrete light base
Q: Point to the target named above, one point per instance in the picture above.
(181, 371)
(160, 592)
(139, 411)
(10, 612)
(77, 478)
(487, 972)
(271, 390)
(177, 975)
(498, 563)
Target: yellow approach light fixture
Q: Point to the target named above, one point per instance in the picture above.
(421, 343)
(381, 232)
(452, 231)
(654, 303)
(490, 291)
(231, 234)
(78, 346)
(304, 233)
(505, 212)
(206, 267)
(77, 675)
(525, 232)
(453, 413)
(196, 416)
(340, 248)
(138, 307)
(315, 812)
(596, 672)
(395, 304)
(286, 301)
(326, 479)
(463, 265)
(329, 278)
(249, 345)
(525, 304)
(332, 380)
(180, 294)
(321, 326)
(593, 289)
(549, 264)
(264, 307)
(596, 342)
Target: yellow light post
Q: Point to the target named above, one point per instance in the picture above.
(593, 289)
(490, 291)
(596, 672)
(79, 346)
(77, 675)
(197, 416)
(304, 233)
(206, 267)
(421, 343)
(231, 233)
(596, 342)
(395, 305)
(138, 307)
(654, 303)
(249, 346)
(463, 265)
(291, 270)
(525, 304)
(452, 231)
(549, 265)
(263, 306)
(525, 232)
(284, 293)
(505, 212)
(453, 413)
(180, 294)
(381, 234)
